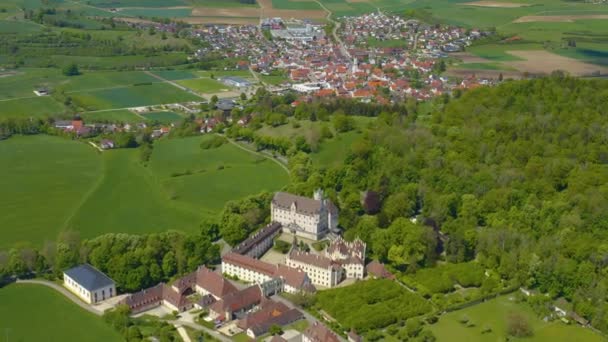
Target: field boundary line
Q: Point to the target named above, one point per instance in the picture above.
(256, 153)
(179, 86)
(87, 195)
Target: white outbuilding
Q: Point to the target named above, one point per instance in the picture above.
(88, 283)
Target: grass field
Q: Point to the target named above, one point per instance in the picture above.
(38, 313)
(30, 107)
(43, 180)
(51, 184)
(157, 12)
(133, 96)
(23, 82)
(174, 75)
(483, 66)
(217, 175)
(12, 26)
(295, 5)
(333, 151)
(120, 115)
(494, 313)
(204, 85)
(163, 117)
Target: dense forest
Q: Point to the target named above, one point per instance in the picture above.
(514, 177)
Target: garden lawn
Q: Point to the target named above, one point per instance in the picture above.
(493, 314)
(43, 180)
(204, 85)
(38, 313)
(37, 106)
(207, 179)
(132, 96)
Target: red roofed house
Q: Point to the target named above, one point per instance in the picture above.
(236, 303)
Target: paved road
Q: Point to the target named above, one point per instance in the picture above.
(64, 292)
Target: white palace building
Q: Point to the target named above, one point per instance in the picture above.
(310, 218)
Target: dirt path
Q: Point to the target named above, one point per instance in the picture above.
(64, 292)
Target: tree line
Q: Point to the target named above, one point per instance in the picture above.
(513, 177)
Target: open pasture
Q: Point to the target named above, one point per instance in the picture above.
(206, 179)
(163, 117)
(175, 75)
(52, 184)
(120, 115)
(37, 313)
(493, 314)
(22, 82)
(43, 181)
(13, 26)
(34, 106)
(131, 96)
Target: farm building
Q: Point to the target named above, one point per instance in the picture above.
(88, 283)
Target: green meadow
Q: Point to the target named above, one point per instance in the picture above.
(131, 96)
(43, 180)
(53, 184)
(174, 75)
(295, 5)
(204, 85)
(209, 178)
(493, 314)
(38, 313)
(119, 115)
(163, 117)
(35, 106)
(157, 12)
(331, 151)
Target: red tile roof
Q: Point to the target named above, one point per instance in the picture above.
(317, 332)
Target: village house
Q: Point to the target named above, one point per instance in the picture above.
(309, 218)
(89, 284)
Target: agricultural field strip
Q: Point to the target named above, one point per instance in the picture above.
(173, 84)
